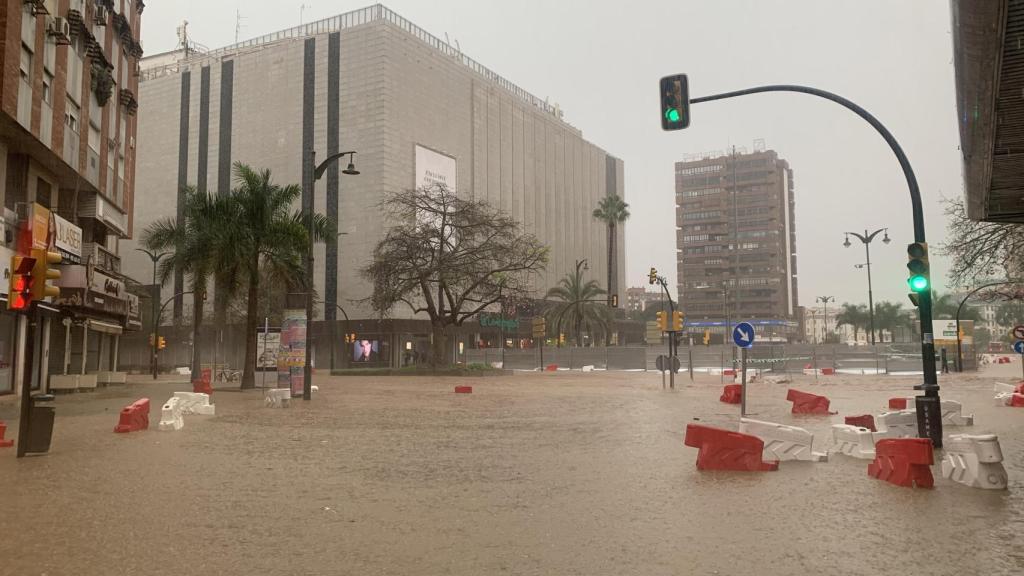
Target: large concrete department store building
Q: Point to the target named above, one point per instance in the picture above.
(408, 103)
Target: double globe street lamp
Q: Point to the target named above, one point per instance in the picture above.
(866, 240)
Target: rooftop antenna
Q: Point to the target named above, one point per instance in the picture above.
(182, 32)
(238, 24)
(302, 8)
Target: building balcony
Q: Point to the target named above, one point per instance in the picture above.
(101, 258)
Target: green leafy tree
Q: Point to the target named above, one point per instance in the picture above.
(853, 315)
(262, 236)
(576, 305)
(612, 210)
(189, 244)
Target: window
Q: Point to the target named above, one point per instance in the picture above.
(702, 215)
(47, 87)
(699, 169)
(26, 63)
(73, 115)
(696, 238)
(43, 190)
(702, 192)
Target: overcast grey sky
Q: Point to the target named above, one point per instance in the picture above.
(601, 60)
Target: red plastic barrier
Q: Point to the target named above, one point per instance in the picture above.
(203, 384)
(1017, 401)
(864, 421)
(828, 371)
(732, 394)
(551, 367)
(463, 389)
(4, 443)
(904, 462)
(726, 450)
(1020, 388)
(897, 403)
(729, 372)
(808, 366)
(805, 403)
(134, 417)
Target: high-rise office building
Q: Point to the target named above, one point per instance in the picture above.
(736, 242)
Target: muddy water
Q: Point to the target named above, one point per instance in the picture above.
(531, 474)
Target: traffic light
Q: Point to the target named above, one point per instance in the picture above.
(19, 288)
(917, 254)
(151, 339)
(677, 321)
(675, 102)
(561, 338)
(613, 300)
(652, 276)
(161, 343)
(662, 316)
(44, 271)
(707, 337)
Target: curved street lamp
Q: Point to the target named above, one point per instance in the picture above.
(959, 344)
(866, 240)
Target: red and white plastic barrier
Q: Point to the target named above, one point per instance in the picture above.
(4, 443)
(195, 403)
(134, 417)
(898, 424)
(783, 442)
(853, 441)
(975, 461)
(952, 410)
(904, 462)
(170, 415)
(278, 398)
(727, 450)
(807, 403)
(862, 421)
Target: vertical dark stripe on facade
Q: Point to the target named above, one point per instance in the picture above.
(333, 134)
(610, 180)
(183, 130)
(308, 101)
(203, 160)
(227, 87)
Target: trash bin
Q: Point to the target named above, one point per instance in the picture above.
(40, 423)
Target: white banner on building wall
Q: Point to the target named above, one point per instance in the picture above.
(435, 168)
(68, 240)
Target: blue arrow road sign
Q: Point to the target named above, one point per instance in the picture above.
(1018, 346)
(743, 335)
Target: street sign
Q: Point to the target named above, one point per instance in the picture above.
(1018, 332)
(1018, 346)
(653, 333)
(666, 363)
(539, 327)
(661, 362)
(743, 335)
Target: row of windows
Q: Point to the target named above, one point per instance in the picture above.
(700, 169)
(701, 192)
(757, 233)
(754, 211)
(704, 249)
(709, 215)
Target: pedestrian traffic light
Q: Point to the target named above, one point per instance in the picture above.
(675, 102)
(652, 276)
(662, 316)
(43, 271)
(677, 321)
(917, 254)
(561, 338)
(161, 343)
(19, 288)
(613, 300)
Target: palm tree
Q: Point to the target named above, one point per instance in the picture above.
(888, 316)
(190, 245)
(263, 237)
(578, 307)
(854, 316)
(612, 210)
(945, 305)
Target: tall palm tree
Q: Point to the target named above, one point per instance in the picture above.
(577, 307)
(190, 244)
(889, 316)
(945, 305)
(262, 236)
(612, 210)
(854, 316)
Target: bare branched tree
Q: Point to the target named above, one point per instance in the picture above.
(449, 258)
(981, 250)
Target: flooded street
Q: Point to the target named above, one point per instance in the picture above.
(563, 473)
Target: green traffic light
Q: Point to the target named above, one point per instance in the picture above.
(673, 115)
(918, 283)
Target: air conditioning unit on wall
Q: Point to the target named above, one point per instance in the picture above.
(99, 17)
(60, 30)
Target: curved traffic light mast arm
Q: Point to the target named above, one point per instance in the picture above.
(931, 383)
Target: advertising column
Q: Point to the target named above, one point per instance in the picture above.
(292, 354)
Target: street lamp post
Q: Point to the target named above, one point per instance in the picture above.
(155, 257)
(959, 344)
(333, 332)
(866, 240)
(825, 300)
(317, 172)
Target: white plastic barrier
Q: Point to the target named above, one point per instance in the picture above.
(1003, 398)
(170, 415)
(976, 461)
(278, 397)
(195, 403)
(783, 442)
(952, 412)
(588, 368)
(1006, 388)
(853, 441)
(898, 424)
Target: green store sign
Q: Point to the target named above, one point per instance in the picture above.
(492, 320)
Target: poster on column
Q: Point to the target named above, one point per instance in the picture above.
(292, 354)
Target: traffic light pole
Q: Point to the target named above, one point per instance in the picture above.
(929, 417)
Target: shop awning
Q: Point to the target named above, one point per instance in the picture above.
(105, 327)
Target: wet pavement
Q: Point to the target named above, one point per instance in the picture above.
(554, 474)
